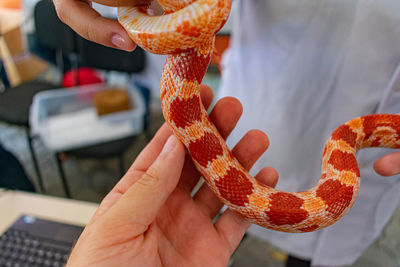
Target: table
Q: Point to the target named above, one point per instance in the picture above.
(15, 203)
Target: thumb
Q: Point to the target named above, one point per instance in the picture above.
(142, 201)
(388, 165)
(88, 23)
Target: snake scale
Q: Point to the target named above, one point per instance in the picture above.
(186, 33)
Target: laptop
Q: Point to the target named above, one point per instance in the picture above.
(33, 241)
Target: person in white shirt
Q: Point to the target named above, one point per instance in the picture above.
(300, 69)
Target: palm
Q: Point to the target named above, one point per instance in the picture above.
(188, 234)
(184, 228)
(183, 234)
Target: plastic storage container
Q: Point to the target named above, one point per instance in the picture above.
(66, 119)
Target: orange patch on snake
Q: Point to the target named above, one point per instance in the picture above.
(312, 203)
(192, 132)
(355, 124)
(259, 201)
(348, 178)
(185, 87)
(218, 166)
(343, 146)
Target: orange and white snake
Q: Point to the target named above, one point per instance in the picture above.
(186, 33)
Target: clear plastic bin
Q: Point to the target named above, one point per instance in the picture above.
(66, 119)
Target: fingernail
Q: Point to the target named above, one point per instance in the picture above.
(169, 145)
(118, 41)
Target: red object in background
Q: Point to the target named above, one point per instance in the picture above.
(12, 4)
(84, 76)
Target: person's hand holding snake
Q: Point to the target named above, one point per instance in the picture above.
(150, 217)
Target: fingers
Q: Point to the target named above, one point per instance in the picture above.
(230, 226)
(140, 204)
(147, 156)
(88, 23)
(247, 151)
(268, 176)
(225, 115)
(251, 147)
(388, 165)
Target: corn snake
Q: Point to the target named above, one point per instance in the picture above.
(186, 33)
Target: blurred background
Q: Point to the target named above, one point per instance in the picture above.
(74, 115)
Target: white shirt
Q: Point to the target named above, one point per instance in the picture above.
(28, 24)
(301, 68)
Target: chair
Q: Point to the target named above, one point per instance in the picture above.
(12, 174)
(109, 59)
(52, 34)
(15, 102)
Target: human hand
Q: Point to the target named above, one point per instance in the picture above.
(388, 165)
(150, 218)
(88, 23)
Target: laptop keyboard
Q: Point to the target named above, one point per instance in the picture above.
(34, 241)
(19, 248)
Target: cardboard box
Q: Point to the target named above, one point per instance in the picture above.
(14, 41)
(9, 19)
(20, 65)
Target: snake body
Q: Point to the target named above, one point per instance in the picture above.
(186, 32)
